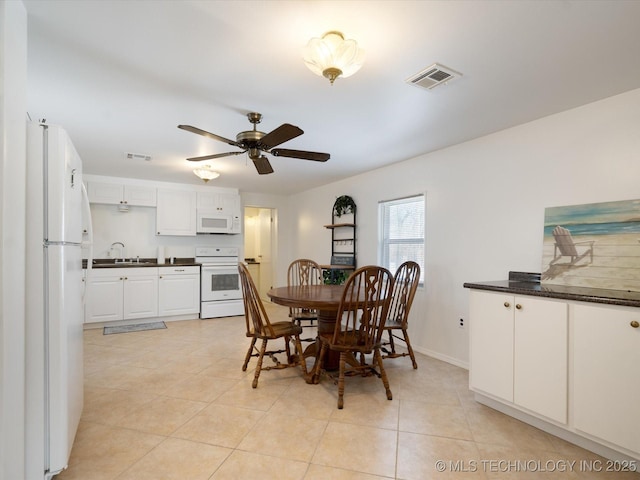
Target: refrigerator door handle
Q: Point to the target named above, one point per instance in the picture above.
(86, 208)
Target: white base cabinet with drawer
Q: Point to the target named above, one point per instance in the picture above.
(518, 351)
(178, 290)
(121, 294)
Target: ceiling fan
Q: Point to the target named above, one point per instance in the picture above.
(257, 143)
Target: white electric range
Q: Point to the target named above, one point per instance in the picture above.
(220, 294)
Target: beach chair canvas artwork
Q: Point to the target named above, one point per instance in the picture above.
(593, 245)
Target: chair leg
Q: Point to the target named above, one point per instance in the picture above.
(287, 348)
(391, 343)
(383, 373)
(301, 359)
(318, 366)
(411, 354)
(249, 352)
(263, 349)
(343, 357)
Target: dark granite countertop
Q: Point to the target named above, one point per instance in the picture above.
(144, 262)
(523, 283)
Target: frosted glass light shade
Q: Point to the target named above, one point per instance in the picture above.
(206, 173)
(332, 56)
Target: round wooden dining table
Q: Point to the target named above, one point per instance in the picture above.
(325, 299)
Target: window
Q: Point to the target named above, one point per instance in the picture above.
(402, 231)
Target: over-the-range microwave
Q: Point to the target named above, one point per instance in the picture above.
(209, 221)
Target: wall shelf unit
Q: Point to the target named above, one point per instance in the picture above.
(343, 242)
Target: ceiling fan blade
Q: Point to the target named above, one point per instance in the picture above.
(262, 165)
(204, 133)
(315, 156)
(283, 133)
(215, 155)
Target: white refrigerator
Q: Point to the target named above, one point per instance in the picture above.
(55, 295)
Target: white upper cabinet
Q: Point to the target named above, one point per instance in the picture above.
(224, 203)
(176, 212)
(119, 194)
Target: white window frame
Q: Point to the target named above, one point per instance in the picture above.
(383, 237)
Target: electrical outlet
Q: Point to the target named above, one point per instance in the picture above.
(461, 323)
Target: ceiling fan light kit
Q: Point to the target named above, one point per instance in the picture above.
(205, 173)
(257, 143)
(332, 56)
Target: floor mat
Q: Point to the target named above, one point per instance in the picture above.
(133, 328)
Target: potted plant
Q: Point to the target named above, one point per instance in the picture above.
(344, 204)
(334, 277)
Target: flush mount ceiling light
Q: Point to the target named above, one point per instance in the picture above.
(205, 173)
(332, 56)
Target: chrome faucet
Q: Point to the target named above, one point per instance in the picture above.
(121, 250)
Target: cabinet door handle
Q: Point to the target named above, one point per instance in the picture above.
(507, 304)
(121, 278)
(518, 306)
(634, 324)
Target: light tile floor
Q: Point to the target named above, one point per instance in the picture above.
(175, 404)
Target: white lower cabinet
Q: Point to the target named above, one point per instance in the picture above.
(104, 296)
(518, 351)
(121, 294)
(606, 377)
(491, 344)
(569, 366)
(140, 295)
(178, 290)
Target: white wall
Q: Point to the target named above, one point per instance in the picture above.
(485, 205)
(13, 106)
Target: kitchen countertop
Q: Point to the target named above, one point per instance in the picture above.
(144, 262)
(523, 283)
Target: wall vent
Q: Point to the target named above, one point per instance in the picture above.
(433, 76)
(137, 156)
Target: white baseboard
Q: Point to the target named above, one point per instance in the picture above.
(444, 358)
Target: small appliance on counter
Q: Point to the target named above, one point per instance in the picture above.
(221, 294)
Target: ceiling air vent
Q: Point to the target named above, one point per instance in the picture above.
(137, 156)
(433, 76)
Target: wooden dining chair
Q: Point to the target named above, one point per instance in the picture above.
(405, 285)
(359, 325)
(304, 272)
(260, 328)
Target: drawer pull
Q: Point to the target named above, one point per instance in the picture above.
(518, 306)
(635, 324)
(507, 304)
